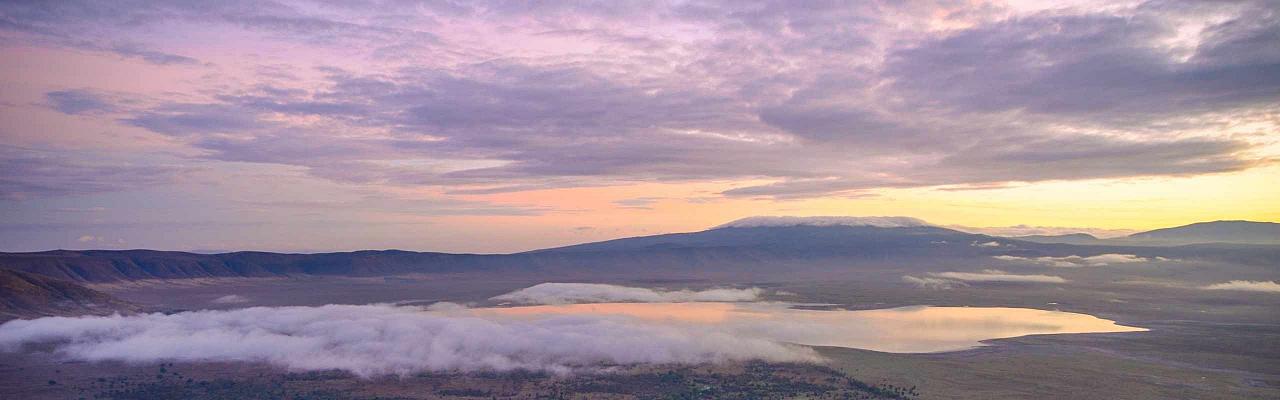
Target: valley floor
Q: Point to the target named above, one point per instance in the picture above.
(1202, 345)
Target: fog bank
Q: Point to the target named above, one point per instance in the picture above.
(383, 339)
(566, 293)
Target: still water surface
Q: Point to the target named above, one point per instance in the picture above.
(917, 329)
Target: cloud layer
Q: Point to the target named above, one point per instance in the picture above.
(230, 299)
(1028, 230)
(995, 275)
(373, 340)
(566, 293)
(932, 283)
(384, 339)
(1100, 260)
(816, 99)
(459, 114)
(1248, 286)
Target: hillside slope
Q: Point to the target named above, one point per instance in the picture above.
(762, 249)
(1214, 232)
(28, 295)
(797, 238)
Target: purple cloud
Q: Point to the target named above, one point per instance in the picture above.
(818, 99)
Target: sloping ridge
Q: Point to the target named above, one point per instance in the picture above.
(761, 245)
(1070, 238)
(127, 265)
(719, 248)
(1215, 232)
(794, 237)
(28, 295)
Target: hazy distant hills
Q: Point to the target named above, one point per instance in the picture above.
(1070, 238)
(128, 265)
(27, 295)
(1238, 232)
(789, 238)
(1215, 232)
(877, 233)
(758, 245)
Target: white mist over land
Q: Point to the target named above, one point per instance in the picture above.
(995, 275)
(371, 340)
(1248, 286)
(932, 283)
(947, 280)
(230, 299)
(1031, 230)
(565, 293)
(558, 337)
(1100, 260)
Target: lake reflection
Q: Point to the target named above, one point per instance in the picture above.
(919, 329)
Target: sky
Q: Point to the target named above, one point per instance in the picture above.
(503, 126)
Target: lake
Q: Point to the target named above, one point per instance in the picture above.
(916, 329)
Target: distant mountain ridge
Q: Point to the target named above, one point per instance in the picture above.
(1237, 232)
(1070, 238)
(763, 246)
(876, 222)
(784, 237)
(715, 248)
(128, 265)
(1215, 232)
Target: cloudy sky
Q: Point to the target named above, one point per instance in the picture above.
(504, 126)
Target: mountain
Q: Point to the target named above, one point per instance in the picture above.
(128, 265)
(790, 234)
(719, 249)
(28, 295)
(1070, 238)
(1233, 232)
(762, 246)
(874, 222)
(1213, 232)
(767, 245)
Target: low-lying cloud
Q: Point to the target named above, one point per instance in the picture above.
(1029, 230)
(932, 283)
(373, 340)
(995, 275)
(230, 299)
(1100, 260)
(566, 293)
(370, 340)
(1249, 286)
